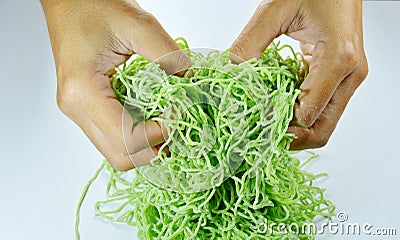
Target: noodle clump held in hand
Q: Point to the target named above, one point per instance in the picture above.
(228, 173)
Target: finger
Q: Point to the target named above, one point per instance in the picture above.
(93, 106)
(304, 65)
(308, 60)
(267, 23)
(141, 135)
(147, 37)
(144, 156)
(328, 68)
(306, 48)
(119, 160)
(109, 115)
(318, 134)
(114, 121)
(96, 101)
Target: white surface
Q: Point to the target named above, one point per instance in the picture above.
(46, 159)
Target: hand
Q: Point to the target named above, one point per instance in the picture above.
(331, 35)
(89, 39)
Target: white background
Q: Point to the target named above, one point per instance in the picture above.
(46, 159)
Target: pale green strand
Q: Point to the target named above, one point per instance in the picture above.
(83, 195)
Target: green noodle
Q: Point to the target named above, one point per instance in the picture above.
(229, 174)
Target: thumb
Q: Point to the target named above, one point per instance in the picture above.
(140, 32)
(268, 22)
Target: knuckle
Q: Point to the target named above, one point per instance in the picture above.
(363, 70)
(129, 146)
(120, 167)
(69, 93)
(320, 141)
(236, 48)
(136, 12)
(237, 52)
(145, 17)
(320, 137)
(348, 54)
(269, 5)
(265, 4)
(121, 163)
(180, 62)
(60, 102)
(307, 118)
(183, 60)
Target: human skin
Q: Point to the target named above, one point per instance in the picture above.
(331, 37)
(89, 39)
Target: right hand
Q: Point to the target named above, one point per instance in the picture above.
(332, 40)
(89, 39)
